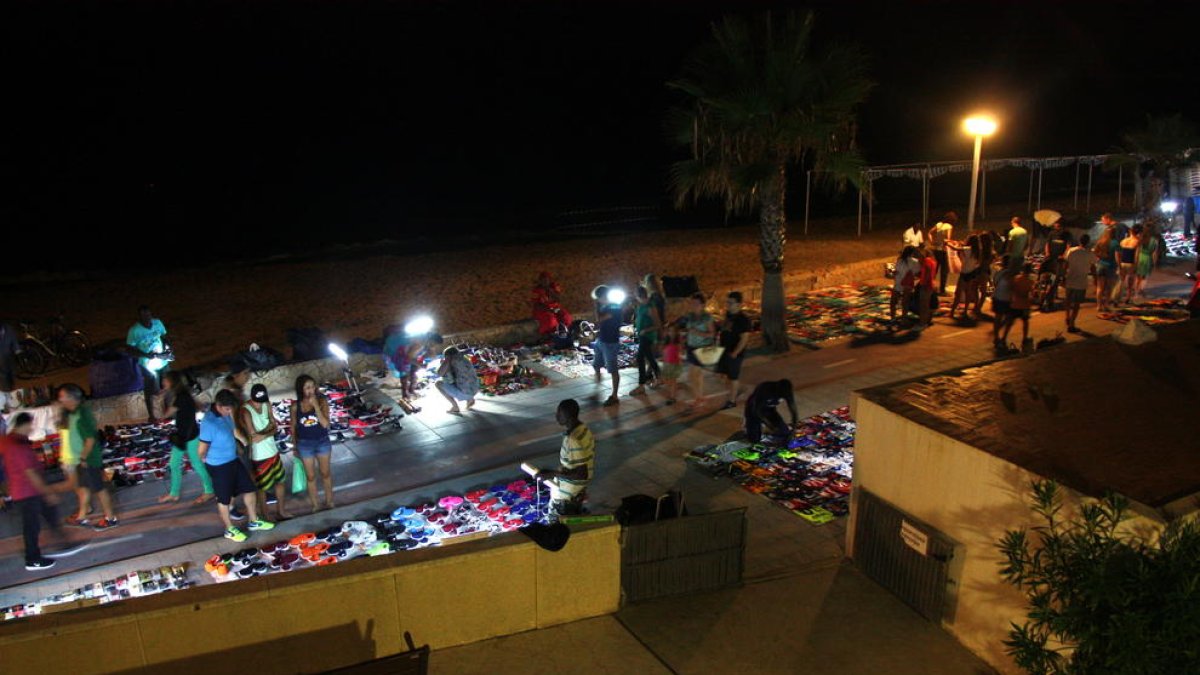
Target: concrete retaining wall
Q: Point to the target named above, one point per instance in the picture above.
(327, 617)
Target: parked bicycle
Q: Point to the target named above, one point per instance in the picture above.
(40, 348)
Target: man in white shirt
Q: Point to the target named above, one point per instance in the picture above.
(939, 234)
(913, 236)
(1079, 261)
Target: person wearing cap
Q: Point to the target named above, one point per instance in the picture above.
(576, 459)
(30, 493)
(218, 451)
(146, 338)
(258, 425)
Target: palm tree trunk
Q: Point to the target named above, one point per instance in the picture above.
(772, 238)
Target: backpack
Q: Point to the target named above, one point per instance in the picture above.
(261, 359)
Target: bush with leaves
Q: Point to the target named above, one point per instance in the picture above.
(1102, 600)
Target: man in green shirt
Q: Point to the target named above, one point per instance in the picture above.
(81, 434)
(576, 458)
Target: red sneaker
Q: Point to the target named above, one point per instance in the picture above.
(105, 524)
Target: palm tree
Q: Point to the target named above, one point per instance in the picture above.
(1163, 143)
(759, 101)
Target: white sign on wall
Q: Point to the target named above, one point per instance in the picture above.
(914, 538)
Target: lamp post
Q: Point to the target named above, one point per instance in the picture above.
(978, 126)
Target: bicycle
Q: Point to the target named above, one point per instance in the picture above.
(38, 349)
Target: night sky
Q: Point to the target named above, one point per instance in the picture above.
(221, 130)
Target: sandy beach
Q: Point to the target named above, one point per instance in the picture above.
(216, 312)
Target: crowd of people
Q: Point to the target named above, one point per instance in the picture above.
(999, 266)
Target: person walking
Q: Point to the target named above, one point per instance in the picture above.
(608, 341)
(1145, 260)
(576, 462)
(310, 433)
(939, 234)
(218, 451)
(258, 426)
(1022, 302)
(967, 286)
(1079, 261)
(1106, 264)
(80, 426)
(734, 337)
(1001, 298)
(184, 438)
(1053, 267)
(32, 497)
(908, 269)
(926, 291)
(459, 381)
(701, 332)
(646, 324)
(147, 338)
(672, 366)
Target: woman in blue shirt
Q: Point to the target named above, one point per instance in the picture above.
(310, 433)
(218, 451)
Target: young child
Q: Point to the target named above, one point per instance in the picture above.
(672, 356)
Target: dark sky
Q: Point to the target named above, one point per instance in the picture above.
(278, 123)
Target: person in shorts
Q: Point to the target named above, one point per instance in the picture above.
(1078, 264)
(219, 452)
(1022, 302)
(258, 427)
(608, 341)
(734, 337)
(672, 367)
(310, 432)
(86, 455)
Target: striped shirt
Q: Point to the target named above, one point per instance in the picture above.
(578, 450)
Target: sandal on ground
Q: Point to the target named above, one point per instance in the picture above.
(204, 498)
(168, 499)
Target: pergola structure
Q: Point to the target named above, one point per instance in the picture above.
(927, 171)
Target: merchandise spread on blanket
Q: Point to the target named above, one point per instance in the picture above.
(1179, 246)
(136, 452)
(577, 362)
(503, 507)
(809, 473)
(1151, 312)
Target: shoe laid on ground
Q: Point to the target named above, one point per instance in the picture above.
(75, 521)
(235, 534)
(260, 525)
(40, 564)
(105, 524)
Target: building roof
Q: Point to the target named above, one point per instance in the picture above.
(1094, 415)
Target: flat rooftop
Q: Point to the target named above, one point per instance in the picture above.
(1094, 415)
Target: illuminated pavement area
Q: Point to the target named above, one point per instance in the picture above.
(797, 582)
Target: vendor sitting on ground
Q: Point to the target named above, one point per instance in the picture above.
(459, 381)
(760, 410)
(576, 458)
(547, 308)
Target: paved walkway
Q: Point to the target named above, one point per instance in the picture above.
(800, 599)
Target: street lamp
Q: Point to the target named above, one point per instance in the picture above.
(978, 126)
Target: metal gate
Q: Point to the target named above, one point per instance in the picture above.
(903, 555)
(683, 555)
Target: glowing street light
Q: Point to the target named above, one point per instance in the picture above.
(1169, 206)
(616, 296)
(978, 126)
(338, 352)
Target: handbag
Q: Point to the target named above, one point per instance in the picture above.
(709, 356)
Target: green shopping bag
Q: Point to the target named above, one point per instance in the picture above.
(299, 477)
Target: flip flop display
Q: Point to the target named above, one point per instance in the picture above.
(500, 508)
(1179, 246)
(809, 473)
(1151, 312)
(133, 585)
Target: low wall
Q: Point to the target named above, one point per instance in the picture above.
(328, 617)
